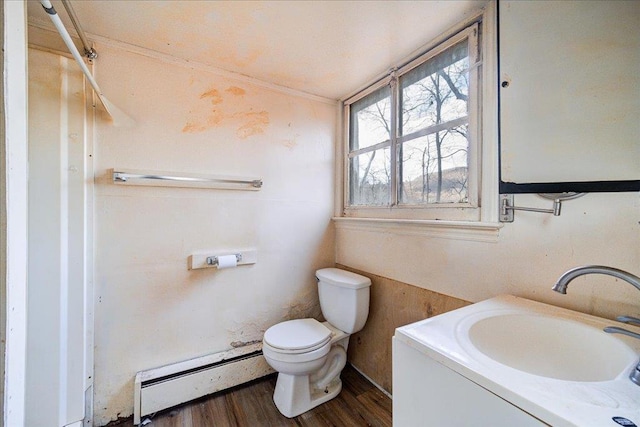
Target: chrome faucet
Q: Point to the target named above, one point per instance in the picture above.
(563, 281)
(561, 287)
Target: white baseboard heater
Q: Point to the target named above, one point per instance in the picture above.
(171, 385)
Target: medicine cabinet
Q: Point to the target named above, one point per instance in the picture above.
(569, 96)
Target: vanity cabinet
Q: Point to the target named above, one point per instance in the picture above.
(509, 361)
(427, 393)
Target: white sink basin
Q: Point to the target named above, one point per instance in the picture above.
(555, 364)
(551, 347)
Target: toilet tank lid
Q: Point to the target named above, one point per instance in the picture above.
(343, 278)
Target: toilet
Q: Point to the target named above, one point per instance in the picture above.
(308, 355)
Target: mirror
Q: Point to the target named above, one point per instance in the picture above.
(569, 96)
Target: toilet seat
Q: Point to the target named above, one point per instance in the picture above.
(297, 336)
(295, 358)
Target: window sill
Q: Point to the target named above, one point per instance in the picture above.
(457, 230)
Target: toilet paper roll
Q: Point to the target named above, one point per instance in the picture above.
(227, 261)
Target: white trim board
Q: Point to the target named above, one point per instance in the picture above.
(15, 146)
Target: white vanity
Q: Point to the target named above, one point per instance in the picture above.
(509, 361)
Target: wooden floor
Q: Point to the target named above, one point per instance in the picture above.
(359, 404)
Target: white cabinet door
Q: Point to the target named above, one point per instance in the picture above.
(569, 99)
(427, 393)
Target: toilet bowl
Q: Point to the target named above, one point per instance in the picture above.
(308, 355)
(307, 377)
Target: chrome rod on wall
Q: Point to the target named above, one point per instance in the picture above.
(89, 52)
(120, 176)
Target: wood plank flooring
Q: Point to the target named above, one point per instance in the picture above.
(251, 405)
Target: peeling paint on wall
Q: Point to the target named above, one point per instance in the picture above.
(250, 330)
(247, 331)
(237, 344)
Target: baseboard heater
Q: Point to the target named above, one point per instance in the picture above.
(171, 385)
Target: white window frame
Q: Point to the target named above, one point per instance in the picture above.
(469, 211)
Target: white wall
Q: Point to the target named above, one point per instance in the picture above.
(525, 257)
(526, 260)
(150, 310)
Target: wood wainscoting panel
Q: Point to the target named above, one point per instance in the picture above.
(393, 304)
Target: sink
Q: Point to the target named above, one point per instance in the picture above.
(550, 365)
(551, 347)
(554, 364)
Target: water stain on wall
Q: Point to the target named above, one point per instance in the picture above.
(191, 127)
(197, 126)
(289, 143)
(253, 123)
(248, 123)
(235, 90)
(304, 304)
(242, 59)
(214, 95)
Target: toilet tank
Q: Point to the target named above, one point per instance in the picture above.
(344, 298)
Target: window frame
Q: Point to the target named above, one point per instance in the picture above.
(468, 211)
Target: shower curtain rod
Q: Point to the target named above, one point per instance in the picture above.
(118, 116)
(89, 52)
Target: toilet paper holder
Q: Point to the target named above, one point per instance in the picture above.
(204, 259)
(213, 260)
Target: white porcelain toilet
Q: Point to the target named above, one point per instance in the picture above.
(310, 355)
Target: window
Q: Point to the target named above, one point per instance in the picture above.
(413, 138)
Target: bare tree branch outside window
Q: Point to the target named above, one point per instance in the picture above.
(431, 136)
